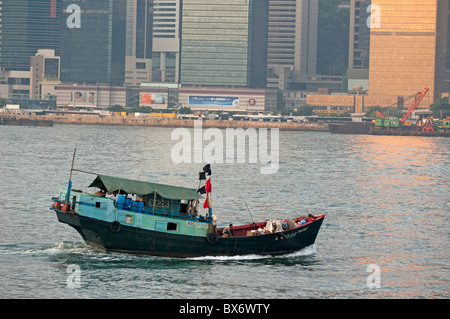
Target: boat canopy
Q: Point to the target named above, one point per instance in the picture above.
(111, 184)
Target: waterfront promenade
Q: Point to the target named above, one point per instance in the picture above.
(96, 119)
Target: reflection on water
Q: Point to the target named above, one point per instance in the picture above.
(385, 199)
(407, 178)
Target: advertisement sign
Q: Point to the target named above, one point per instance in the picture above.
(91, 98)
(83, 98)
(78, 97)
(149, 99)
(214, 100)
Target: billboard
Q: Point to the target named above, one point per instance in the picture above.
(152, 99)
(214, 100)
(83, 98)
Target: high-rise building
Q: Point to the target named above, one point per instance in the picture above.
(359, 44)
(93, 41)
(292, 41)
(139, 40)
(224, 43)
(166, 40)
(44, 74)
(25, 27)
(408, 48)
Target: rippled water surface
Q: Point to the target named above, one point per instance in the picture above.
(386, 201)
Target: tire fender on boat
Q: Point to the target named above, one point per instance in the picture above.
(115, 227)
(281, 237)
(212, 238)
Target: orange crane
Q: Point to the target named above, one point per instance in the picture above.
(381, 115)
(414, 105)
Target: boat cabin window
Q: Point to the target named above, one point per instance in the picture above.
(172, 226)
(98, 204)
(162, 225)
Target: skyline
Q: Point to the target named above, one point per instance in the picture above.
(131, 42)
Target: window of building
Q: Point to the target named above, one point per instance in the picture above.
(141, 65)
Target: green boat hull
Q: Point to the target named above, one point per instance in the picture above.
(128, 239)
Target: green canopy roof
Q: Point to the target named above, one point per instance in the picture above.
(111, 184)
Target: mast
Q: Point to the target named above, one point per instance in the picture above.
(210, 200)
(207, 188)
(69, 186)
(207, 170)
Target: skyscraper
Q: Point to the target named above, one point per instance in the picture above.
(140, 16)
(224, 43)
(408, 48)
(292, 40)
(94, 51)
(25, 27)
(166, 40)
(139, 42)
(359, 44)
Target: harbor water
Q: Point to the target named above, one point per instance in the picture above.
(385, 234)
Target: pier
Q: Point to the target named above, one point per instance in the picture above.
(96, 119)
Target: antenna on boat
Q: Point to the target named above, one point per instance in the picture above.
(248, 209)
(69, 187)
(73, 161)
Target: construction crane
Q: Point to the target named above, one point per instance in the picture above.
(414, 105)
(381, 115)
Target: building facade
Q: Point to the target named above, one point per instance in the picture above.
(15, 85)
(224, 43)
(44, 74)
(25, 27)
(166, 40)
(408, 49)
(292, 41)
(359, 44)
(94, 97)
(93, 34)
(139, 41)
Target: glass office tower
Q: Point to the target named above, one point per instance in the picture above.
(224, 43)
(25, 27)
(94, 52)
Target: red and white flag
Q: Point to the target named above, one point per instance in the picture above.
(208, 186)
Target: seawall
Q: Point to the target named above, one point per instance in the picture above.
(95, 119)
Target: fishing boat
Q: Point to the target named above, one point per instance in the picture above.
(132, 216)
